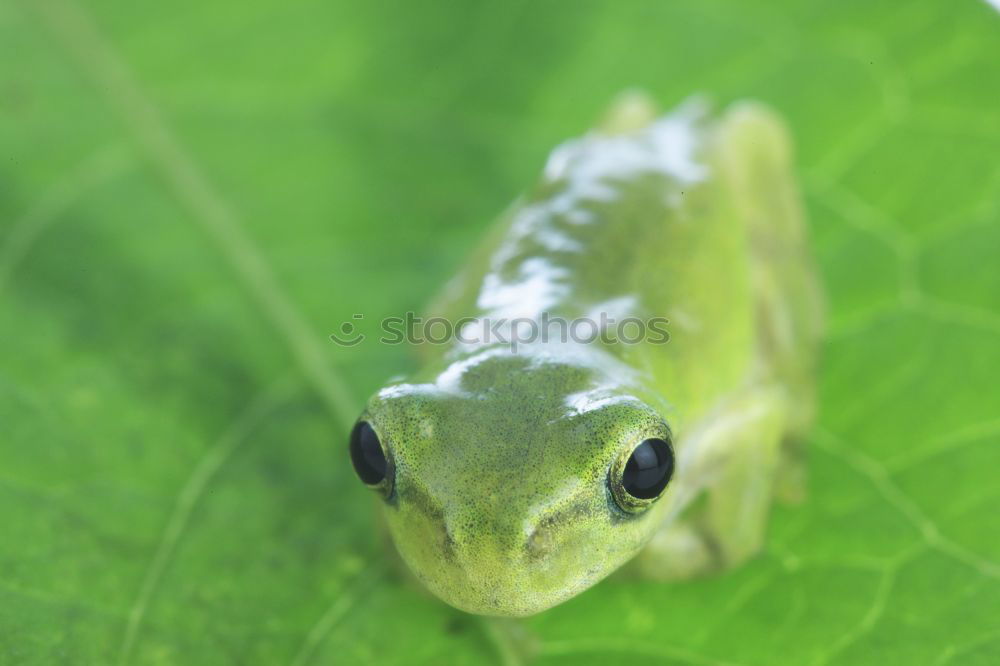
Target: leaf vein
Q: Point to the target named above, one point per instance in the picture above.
(927, 528)
(206, 470)
(208, 208)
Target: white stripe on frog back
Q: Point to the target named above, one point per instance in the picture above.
(667, 146)
(588, 167)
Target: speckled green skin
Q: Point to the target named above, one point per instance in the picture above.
(504, 463)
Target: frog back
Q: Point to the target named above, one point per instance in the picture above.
(635, 220)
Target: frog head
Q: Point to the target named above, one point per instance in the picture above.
(511, 483)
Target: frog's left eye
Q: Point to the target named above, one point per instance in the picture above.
(642, 477)
(368, 455)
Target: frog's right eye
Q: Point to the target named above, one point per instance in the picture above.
(371, 463)
(648, 469)
(640, 476)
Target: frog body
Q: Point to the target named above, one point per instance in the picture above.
(507, 472)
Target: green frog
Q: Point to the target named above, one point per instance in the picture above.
(546, 444)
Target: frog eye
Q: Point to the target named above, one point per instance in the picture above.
(644, 474)
(369, 457)
(648, 469)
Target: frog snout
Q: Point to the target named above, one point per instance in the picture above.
(487, 538)
(497, 561)
(509, 567)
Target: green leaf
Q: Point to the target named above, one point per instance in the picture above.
(194, 195)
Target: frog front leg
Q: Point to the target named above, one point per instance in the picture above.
(731, 462)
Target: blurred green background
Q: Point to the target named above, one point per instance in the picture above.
(194, 195)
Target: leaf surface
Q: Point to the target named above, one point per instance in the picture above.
(194, 195)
